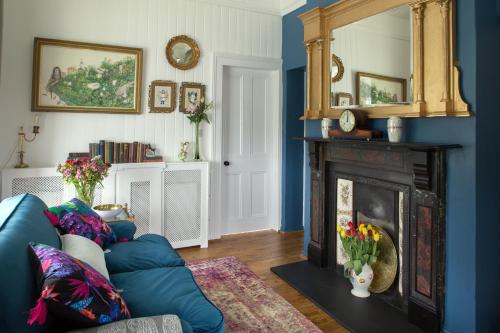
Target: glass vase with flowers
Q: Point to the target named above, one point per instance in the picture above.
(85, 175)
(196, 115)
(360, 246)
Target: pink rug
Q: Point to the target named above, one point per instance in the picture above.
(248, 304)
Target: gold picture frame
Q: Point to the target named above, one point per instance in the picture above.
(190, 96)
(71, 76)
(162, 96)
(182, 52)
(400, 94)
(340, 97)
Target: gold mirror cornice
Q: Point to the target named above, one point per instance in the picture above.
(436, 87)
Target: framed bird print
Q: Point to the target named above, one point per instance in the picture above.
(82, 77)
(162, 96)
(191, 96)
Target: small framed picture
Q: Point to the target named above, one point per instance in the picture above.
(343, 99)
(162, 96)
(191, 95)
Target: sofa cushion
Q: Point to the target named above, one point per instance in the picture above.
(75, 217)
(72, 291)
(21, 221)
(85, 250)
(147, 251)
(123, 230)
(169, 290)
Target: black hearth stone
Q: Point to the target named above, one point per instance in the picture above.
(332, 293)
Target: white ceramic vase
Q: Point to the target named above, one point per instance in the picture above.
(395, 129)
(325, 127)
(361, 283)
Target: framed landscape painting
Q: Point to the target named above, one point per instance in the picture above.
(82, 77)
(379, 89)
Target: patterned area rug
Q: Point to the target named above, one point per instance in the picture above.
(248, 304)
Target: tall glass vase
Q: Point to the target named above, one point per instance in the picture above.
(196, 141)
(85, 193)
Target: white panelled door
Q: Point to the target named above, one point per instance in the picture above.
(249, 174)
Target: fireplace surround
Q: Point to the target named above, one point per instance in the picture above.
(401, 187)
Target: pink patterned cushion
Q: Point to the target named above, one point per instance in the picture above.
(75, 217)
(72, 291)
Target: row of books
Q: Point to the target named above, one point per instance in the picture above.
(123, 152)
(119, 152)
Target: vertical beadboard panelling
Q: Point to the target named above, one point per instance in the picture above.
(148, 24)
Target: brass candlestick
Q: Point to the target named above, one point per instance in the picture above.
(22, 138)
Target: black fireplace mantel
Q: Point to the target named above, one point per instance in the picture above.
(418, 167)
(381, 143)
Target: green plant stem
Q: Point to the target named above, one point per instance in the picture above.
(196, 140)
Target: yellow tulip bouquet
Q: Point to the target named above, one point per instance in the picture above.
(360, 245)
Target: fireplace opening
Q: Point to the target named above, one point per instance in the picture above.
(380, 203)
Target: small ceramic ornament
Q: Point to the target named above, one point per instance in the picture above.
(184, 151)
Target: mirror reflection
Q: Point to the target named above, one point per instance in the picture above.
(376, 53)
(182, 53)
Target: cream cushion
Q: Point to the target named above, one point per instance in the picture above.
(85, 250)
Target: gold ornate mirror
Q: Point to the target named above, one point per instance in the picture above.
(337, 70)
(397, 54)
(183, 52)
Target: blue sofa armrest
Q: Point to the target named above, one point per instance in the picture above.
(123, 229)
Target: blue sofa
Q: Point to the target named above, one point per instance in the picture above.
(147, 270)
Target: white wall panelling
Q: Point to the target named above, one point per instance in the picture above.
(149, 24)
(166, 198)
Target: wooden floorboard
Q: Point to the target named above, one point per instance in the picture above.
(260, 251)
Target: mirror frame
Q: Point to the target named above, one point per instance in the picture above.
(436, 78)
(340, 65)
(186, 40)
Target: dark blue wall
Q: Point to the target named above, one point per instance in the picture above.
(292, 150)
(460, 306)
(488, 161)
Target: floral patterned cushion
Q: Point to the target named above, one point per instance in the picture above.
(72, 291)
(75, 217)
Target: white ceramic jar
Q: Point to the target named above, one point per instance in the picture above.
(395, 129)
(326, 124)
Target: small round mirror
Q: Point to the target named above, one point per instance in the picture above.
(337, 70)
(182, 52)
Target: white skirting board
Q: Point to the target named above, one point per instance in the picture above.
(169, 199)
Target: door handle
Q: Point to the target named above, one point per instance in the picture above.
(226, 163)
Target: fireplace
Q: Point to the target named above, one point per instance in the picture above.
(399, 187)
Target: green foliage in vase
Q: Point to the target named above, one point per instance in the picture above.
(360, 245)
(111, 84)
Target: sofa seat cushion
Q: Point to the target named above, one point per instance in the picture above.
(147, 251)
(169, 290)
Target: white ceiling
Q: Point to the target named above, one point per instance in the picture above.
(275, 7)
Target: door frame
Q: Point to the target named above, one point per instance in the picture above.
(222, 60)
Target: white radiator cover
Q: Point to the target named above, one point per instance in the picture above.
(170, 199)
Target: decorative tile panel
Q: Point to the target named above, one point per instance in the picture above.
(344, 213)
